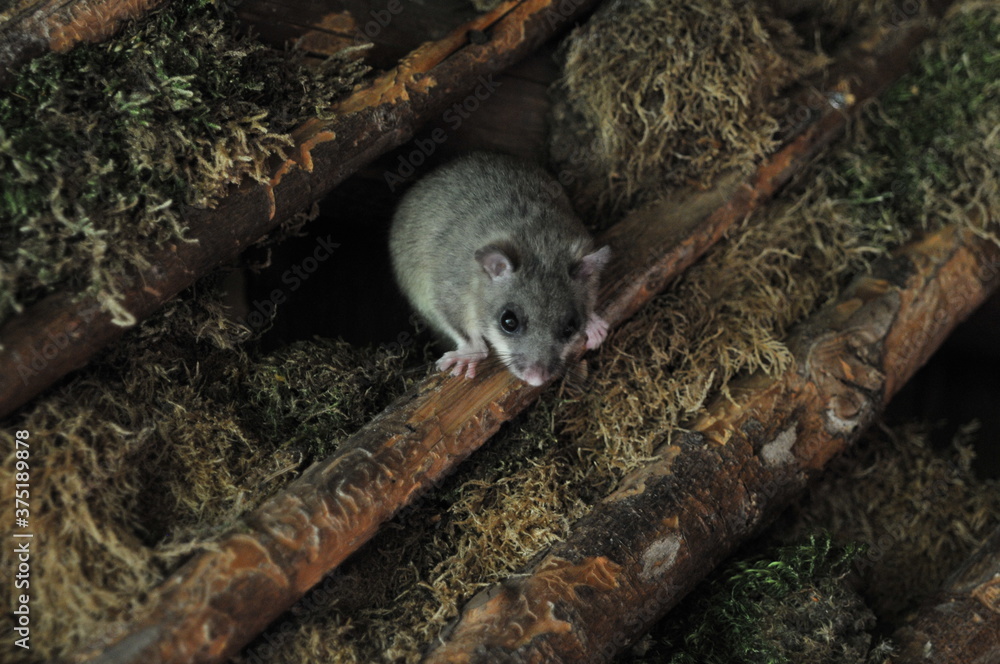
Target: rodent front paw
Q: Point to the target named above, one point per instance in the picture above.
(463, 359)
(597, 330)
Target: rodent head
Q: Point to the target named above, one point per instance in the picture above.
(533, 313)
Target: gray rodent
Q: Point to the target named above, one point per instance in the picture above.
(488, 249)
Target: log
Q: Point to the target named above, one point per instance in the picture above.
(712, 487)
(62, 332)
(32, 27)
(219, 600)
(961, 624)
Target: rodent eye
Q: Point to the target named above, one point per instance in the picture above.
(509, 322)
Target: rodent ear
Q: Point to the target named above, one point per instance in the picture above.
(593, 263)
(496, 262)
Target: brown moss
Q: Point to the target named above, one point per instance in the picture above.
(661, 94)
(389, 600)
(120, 460)
(313, 393)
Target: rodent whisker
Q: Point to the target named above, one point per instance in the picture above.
(576, 377)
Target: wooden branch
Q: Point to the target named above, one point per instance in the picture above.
(221, 599)
(31, 27)
(61, 333)
(961, 624)
(668, 524)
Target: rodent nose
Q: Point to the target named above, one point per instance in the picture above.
(536, 375)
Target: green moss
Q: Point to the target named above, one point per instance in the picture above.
(930, 123)
(788, 605)
(100, 147)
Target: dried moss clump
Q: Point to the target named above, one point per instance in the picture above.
(664, 93)
(919, 512)
(101, 146)
(789, 605)
(161, 446)
(730, 314)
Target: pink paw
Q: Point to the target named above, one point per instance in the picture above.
(461, 360)
(597, 330)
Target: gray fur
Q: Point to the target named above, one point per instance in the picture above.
(497, 206)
